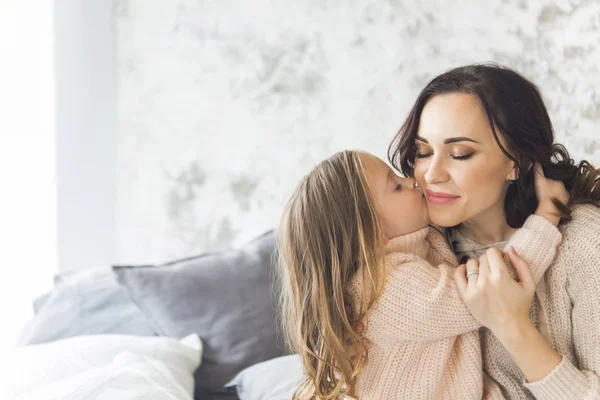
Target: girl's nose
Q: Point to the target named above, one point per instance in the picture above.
(410, 183)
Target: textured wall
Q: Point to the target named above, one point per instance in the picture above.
(225, 104)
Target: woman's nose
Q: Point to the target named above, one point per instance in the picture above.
(435, 172)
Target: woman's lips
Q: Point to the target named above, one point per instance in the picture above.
(440, 198)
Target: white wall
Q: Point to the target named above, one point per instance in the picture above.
(86, 133)
(58, 144)
(27, 160)
(224, 105)
(175, 127)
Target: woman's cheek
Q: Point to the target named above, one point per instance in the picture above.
(420, 170)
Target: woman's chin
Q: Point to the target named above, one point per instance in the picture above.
(445, 220)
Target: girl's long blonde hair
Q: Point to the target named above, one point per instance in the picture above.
(329, 232)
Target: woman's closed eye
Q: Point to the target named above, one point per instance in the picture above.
(453, 156)
(462, 157)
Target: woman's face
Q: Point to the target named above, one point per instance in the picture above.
(459, 164)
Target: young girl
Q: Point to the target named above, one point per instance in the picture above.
(356, 233)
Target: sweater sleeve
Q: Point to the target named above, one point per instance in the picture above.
(420, 301)
(440, 251)
(536, 242)
(565, 381)
(579, 378)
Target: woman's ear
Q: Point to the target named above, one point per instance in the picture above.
(514, 173)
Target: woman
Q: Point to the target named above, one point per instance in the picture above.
(470, 141)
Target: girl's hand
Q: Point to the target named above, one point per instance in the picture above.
(492, 296)
(357, 353)
(546, 190)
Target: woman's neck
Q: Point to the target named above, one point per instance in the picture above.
(487, 228)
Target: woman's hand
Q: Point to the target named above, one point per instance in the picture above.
(502, 304)
(492, 296)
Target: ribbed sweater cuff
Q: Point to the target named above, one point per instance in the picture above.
(545, 228)
(536, 240)
(563, 382)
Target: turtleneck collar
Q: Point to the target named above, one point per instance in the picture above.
(413, 243)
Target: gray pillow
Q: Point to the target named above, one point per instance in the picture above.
(275, 379)
(226, 298)
(84, 303)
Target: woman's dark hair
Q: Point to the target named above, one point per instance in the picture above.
(515, 110)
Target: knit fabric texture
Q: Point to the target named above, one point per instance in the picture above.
(424, 342)
(566, 310)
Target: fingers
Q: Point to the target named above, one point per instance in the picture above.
(547, 189)
(348, 308)
(496, 262)
(542, 189)
(358, 353)
(364, 343)
(472, 270)
(484, 267)
(358, 327)
(522, 268)
(560, 192)
(538, 169)
(358, 360)
(460, 277)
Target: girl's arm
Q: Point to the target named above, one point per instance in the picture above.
(536, 242)
(421, 302)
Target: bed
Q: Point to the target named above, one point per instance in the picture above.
(203, 327)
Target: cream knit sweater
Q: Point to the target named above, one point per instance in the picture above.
(566, 310)
(424, 342)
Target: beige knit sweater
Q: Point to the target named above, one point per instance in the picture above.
(566, 310)
(424, 342)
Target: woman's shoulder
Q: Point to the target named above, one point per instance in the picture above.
(586, 209)
(585, 222)
(580, 245)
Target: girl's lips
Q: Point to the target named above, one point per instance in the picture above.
(440, 198)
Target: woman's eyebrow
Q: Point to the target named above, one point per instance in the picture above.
(450, 140)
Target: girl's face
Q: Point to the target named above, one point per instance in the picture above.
(400, 204)
(459, 164)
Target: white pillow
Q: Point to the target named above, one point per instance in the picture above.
(102, 367)
(275, 379)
